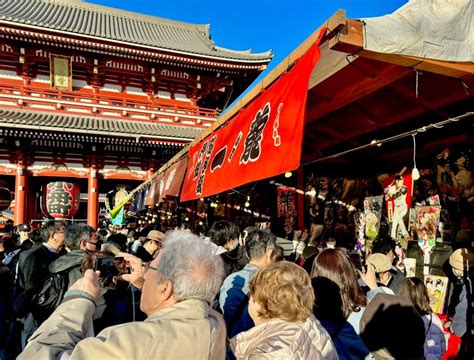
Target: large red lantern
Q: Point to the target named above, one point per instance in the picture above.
(5, 199)
(61, 199)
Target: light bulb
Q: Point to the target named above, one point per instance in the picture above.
(415, 174)
(288, 174)
(247, 204)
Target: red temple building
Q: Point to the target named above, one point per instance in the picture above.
(99, 97)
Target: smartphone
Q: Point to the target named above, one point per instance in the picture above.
(107, 266)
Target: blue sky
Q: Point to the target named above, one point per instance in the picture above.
(280, 25)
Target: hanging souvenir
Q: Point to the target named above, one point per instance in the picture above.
(219, 210)
(359, 222)
(426, 225)
(372, 215)
(398, 200)
(437, 287)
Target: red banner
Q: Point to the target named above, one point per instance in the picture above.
(261, 141)
(286, 201)
(286, 207)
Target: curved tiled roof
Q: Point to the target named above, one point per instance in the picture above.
(60, 122)
(77, 17)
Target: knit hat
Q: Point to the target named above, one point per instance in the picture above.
(380, 262)
(462, 259)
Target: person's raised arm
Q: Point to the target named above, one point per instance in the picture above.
(69, 324)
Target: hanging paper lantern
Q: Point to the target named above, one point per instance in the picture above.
(61, 199)
(5, 198)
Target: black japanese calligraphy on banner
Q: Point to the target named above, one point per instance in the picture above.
(253, 141)
(204, 165)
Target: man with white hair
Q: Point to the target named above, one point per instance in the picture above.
(177, 288)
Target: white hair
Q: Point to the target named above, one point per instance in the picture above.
(188, 262)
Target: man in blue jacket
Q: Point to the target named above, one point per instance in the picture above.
(233, 298)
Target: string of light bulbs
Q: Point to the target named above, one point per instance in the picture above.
(373, 143)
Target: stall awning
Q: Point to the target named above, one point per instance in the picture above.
(440, 30)
(356, 94)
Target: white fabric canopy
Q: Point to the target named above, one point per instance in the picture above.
(433, 29)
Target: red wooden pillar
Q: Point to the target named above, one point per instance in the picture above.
(20, 195)
(300, 199)
(93, 199)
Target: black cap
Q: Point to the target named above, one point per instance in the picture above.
(24, 227)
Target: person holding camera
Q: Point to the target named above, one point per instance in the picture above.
(177, 287)
(151, 246)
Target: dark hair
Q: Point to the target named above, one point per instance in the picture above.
(102, 234)
(223, 231)
(9, 242)
(277, 254)
(383, 244)
(257, 243)
(50, 228)
(76, 234)
(118, 239)
(35, 236)
(415, 290)
(335, 265)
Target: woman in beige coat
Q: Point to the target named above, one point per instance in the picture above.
(281, 305)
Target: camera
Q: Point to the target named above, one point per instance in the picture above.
(109, 266)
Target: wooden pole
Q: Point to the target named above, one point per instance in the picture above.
(93, 199)
(20, 195)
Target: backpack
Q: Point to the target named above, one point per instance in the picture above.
(50, 296)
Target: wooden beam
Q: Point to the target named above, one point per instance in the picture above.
(333, 133)
(400, 117)
(351, 40)
(404, 92)
(356, 91)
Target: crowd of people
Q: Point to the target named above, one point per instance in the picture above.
(75, 292)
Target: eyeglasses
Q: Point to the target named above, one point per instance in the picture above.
(149, 267)
(157, 242)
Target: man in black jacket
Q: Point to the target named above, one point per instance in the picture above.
(226, 235)
(79, 240)
(33, 268)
